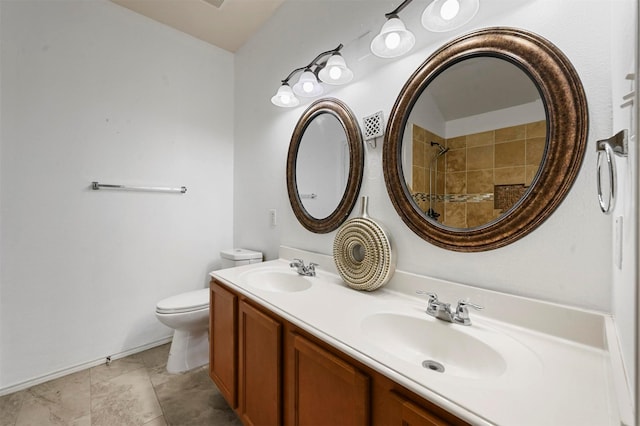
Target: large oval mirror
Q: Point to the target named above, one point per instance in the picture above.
(325, 165)
(485, 139)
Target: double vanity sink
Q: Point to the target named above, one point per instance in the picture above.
(520, 362)
(417, 341)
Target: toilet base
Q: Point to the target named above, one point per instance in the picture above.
(189, 350)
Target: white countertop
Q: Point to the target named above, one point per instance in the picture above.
(560, 369)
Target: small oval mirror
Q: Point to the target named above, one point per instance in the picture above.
(324, 165)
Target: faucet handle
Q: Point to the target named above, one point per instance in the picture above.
(464, 303)
(433, 305)
(296, 262)
(462, 313)
(432, 296)
(311, 269)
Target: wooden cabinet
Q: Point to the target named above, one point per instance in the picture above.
(401, 411)
(274, 373)
(414, 415)
(223, 332)
(260, 377)
(323, 389)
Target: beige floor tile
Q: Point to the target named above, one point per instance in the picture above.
(82, 421)
(160, 375)
(158, 421)
(156, 362)
(129, 392)
(156, 357)
(191, 399)
(116, 368)
(10, 406)
(57, 402)
(128, 399)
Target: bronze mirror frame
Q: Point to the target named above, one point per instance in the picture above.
(356, 165)
(567, 127)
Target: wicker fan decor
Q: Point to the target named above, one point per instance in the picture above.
(362, 252)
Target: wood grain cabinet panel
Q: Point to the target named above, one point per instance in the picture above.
(260, 375)
(414, 415)
(274, 373)
(223, 356)
(393, 408)
(324, 389)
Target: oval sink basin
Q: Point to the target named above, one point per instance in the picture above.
(436, 345)
(280, 280)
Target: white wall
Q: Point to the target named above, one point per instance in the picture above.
(507, 117)
(567, 259)
(625, 212)
(93, 91)
(1, 133)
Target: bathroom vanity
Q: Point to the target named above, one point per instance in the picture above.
(274, 372)
(289, 349)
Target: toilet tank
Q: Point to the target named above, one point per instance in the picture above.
(238, 257)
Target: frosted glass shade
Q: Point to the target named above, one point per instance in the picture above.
(441, 15)
(336, 71)
(393, 40)
(308, 85)
(285, 98)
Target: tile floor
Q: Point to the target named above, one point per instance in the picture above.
(132, 391)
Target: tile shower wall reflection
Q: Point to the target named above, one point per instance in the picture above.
(480, 176)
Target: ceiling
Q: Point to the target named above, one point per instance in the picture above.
(227, 24)
(479, 85)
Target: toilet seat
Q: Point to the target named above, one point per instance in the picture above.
(184, 302)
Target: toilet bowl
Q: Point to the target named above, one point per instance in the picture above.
(188, 314)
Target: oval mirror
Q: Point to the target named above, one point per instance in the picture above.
(485, 139)
(325, 165)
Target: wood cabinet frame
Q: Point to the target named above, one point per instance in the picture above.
(293, 365)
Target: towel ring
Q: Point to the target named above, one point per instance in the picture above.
(605, 148)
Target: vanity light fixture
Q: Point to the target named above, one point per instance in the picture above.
(335, 71)
(394, 39)
(328, 67)
(308, 85)
(440, 15)
(447, 15)
(285, 97)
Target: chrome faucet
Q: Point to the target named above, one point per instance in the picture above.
(443, 311)
(302, 269)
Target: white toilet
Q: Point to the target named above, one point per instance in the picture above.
(188, 314)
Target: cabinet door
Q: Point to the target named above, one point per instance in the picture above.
(260, 375)
(223, 327)
(412, 414)
(322, 388)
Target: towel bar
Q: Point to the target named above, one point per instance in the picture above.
(96, 186)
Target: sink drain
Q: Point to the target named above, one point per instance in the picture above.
(433, 365)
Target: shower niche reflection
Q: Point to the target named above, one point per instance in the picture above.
(474, 142)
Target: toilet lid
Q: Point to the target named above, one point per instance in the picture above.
(184, 302)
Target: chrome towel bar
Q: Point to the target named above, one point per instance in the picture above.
(96, 186)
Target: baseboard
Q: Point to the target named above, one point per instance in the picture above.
(79, 367)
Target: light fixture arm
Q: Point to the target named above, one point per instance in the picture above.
(315, 61)
(292, 73)
(328, 52)
(394, 13)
